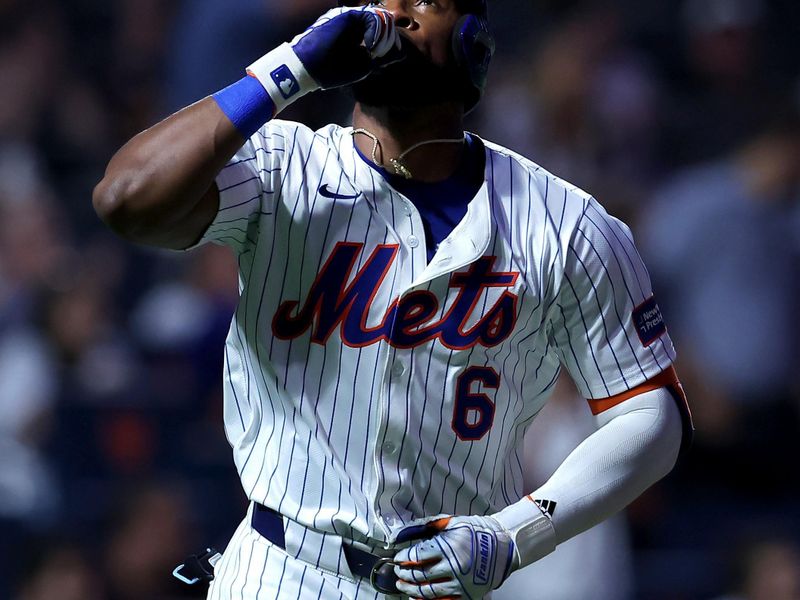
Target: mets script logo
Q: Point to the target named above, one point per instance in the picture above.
(408, 322)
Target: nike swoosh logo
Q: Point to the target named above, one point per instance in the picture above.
(329, 194)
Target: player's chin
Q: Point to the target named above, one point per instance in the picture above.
(407, 86)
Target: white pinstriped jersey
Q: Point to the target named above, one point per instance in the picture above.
(364, 386)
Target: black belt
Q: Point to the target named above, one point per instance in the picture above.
(379, 571)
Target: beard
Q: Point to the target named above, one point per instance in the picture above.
(412, 83)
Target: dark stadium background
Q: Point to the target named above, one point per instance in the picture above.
(113, 461)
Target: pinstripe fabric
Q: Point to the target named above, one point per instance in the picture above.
(352, 434)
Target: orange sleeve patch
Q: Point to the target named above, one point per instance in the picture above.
(667, 378)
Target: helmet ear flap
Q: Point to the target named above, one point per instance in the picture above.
(473, 48)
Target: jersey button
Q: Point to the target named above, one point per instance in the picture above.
(398, 369)
(389, 449)
(413, 241)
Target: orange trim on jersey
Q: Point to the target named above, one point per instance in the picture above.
(667, 378)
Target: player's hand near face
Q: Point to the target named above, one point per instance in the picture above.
(159, 189)
(346, 44)
(342, 47)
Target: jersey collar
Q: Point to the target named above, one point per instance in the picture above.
(466, 243)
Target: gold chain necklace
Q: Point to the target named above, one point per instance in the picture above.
(397, 163)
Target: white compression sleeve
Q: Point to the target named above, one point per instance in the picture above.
(636, 444)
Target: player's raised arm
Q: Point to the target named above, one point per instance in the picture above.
(159, 188)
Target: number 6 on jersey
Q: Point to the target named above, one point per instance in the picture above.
(473, 412)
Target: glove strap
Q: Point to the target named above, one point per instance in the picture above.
(530, 528)
(283, 76)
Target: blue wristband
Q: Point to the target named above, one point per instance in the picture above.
(247, 104)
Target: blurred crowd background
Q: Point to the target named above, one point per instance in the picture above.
(681, 116)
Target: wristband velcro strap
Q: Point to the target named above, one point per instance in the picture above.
(283, 76)
(530, 528)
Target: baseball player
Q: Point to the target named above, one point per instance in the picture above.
(408, 296)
